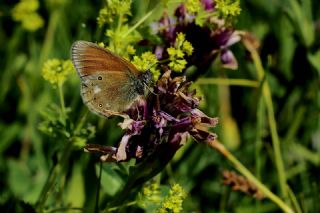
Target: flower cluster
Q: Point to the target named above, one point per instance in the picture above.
(113, 8)
(161, 124)
(147, 61)
(114, 15)
(207, 31)
(228, 7)
(150, 194)
(178, 52)
(173, 201)
(56, 71)
(26, 12)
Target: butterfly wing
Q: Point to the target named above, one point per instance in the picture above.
(108, 81)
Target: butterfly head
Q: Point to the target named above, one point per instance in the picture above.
(145, 81)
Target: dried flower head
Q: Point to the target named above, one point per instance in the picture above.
(240, 183)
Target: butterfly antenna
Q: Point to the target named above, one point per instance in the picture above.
(150, 90)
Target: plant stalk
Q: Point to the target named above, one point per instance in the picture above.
(245, 172)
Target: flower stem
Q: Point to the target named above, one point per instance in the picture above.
(225, 81)
(53, 176)
(63, 108)
(245, 172)
(271, 119)
(137, 24)
(49, 38)
(119, 207)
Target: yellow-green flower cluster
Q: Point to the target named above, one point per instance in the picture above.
(173, 201)
(150, 194)
(131, 50)
(228, 7)
(112, 9)
(146, 61)
(177, 53)
(26, 13)
(193, 6)
(56, 71)
(120, 44)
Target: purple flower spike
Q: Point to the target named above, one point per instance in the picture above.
(164, 121)
(208, 40)
(166, 27)
(173, 116)
(180, 12)
(228, 60)
(208, 4)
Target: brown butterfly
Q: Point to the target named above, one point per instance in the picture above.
(110, 84)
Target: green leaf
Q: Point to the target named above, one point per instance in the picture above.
(111, 181)
(314, 60)
(76, 193)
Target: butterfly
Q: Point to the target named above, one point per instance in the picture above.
(109, 83)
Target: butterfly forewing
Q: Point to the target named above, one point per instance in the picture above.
(107, 79)
(89, 58)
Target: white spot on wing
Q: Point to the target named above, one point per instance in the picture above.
(96, 89)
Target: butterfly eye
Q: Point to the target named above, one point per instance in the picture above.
(99, 78)
(100, 105)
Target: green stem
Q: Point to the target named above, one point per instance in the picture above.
(96, 208)
(245, 172)
(224, 81)
(271, 119)
(83, 118)
(53, 176)
(294, 201)
(65, 209)
(49, 39)
(137, 24)
(63, 108)
(119, 207)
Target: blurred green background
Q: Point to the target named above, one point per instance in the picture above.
(288, 32)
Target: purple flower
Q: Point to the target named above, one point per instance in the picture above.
(164, 121)
(210, 41)
(208, 4)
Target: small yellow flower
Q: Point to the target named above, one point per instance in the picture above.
(173, 201)
(177, 53)
(131, 50)
(150, 194)
(193, 6)
(112, 9)
(56, 71)
(187, 48)
(101, 44)
(26, 13)
(228, 7)
(178, 65)
(180, 39)
(32, 22)
(145, 61)
(171, 51)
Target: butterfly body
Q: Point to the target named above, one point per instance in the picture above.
(110, 84)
